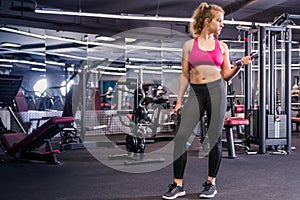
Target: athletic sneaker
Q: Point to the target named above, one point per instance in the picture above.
(174, 192)
(209, 191)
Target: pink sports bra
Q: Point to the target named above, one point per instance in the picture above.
(201, 57)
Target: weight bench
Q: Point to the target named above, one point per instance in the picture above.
(237, 122)
(23, 146)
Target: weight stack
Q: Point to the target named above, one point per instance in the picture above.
(276, 126)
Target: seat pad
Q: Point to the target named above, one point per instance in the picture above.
(8, 140)
(239, 108)
(231, 121)
(295, 119)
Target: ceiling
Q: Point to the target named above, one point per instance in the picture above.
(21, 13)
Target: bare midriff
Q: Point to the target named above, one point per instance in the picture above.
(204, 74)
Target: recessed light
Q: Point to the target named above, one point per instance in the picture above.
(10, 44)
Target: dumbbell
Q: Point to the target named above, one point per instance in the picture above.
(175, 118)
(253, 55)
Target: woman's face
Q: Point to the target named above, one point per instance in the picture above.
(216, 24)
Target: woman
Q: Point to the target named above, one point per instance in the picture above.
(205, 66)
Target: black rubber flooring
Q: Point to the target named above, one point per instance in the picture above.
(83, 176)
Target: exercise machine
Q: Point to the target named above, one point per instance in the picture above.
(141, 124)
(21, 145)
(270, 114)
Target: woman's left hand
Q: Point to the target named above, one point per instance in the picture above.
(246, 60)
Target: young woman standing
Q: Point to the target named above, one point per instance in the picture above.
(205, 67)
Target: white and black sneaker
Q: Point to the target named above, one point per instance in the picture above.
(209, 191)
(174, 192)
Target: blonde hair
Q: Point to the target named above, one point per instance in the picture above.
(202, 12)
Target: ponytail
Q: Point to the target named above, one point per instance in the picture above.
(202, 12)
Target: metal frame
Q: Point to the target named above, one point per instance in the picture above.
(268, 96)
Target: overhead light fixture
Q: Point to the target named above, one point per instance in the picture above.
(65, 39)
(6, 66)
(113, 16)
(38, 69)
(83, 42)
(136, 47)
(110, 68)
(139, 17)
(3, 28)
(124, 16)
(130, 40)
(10, 44)
(22, 61)
(105, 38)
(48, 62)
(67, 56)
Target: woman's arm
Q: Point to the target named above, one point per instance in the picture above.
(227, 72)
(185, 75)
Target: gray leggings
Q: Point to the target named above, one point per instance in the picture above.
(211, 98)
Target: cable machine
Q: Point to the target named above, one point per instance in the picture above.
(271, 118)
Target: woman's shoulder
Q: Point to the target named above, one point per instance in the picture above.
(188, 44)
(223, 45)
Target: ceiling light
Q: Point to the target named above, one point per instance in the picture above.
(110, 68)
(142, 17)
(135, 47)
(38, 69)
(22, 61)
(5, 66)
(22, 32)
(129, 40)
(105, 38)
(65, 39)
(48, 62)
(102, 15)
(10, 44)
(67, 56)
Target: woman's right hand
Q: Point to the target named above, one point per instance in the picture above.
(177, 107)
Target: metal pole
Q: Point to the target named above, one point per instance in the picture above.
(83, 106)
(247, 84)
(262, 90)
(16, 119)
(271, 73)
(288, 46)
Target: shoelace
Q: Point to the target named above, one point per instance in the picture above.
(172, 186)
(207, 186)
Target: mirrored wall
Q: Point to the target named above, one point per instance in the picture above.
(51, 61)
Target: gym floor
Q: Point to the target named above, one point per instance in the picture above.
(82, 177)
